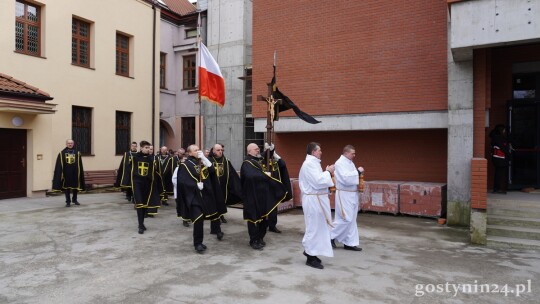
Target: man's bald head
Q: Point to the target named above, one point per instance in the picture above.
(253, 150)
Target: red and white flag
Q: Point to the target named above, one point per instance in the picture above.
(211, 82)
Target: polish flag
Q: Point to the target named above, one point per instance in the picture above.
(211, 82)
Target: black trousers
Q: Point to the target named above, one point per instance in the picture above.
(272, 219)
(67, 192)
(215, 226)
(198, 229)
(140, 216)
(129, 193)
(500, 179)
(257, 231)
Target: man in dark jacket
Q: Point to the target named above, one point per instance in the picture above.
(228, 179)
(69, 173)
(196, 194)
(261, 194)
(500, 156)
(123, 175)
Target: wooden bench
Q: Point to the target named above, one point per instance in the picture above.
(99, 177)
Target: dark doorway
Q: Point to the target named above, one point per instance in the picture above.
(12, 163)
(524, 131)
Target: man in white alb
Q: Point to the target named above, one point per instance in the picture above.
(346, 176)
(314, 183)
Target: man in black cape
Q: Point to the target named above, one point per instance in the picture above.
(144, 177)
(196, 195)
(166, 169)
(279, 171)
(69, 173)
(123, 175)
(228, 179)
(261, 194)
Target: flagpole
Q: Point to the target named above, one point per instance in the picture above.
(199, 85)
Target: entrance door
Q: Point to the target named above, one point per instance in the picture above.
(12, 163)
(524, 131)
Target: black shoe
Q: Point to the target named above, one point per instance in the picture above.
(128, 198)
(262, 243)
(223, 220)
(199, 248)
(353, 248)
(68, 204)
(314, 263)
(333, 242)
(144, 227)
(77, 203)
(256, 245)
(274, 229)
(204, 246)
(186, 224)
(220, 235)
(165, 204)
(308, 256)
(141, 230)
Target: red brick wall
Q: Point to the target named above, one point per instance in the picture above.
(478, 183)
(408, 155)
(337, 57)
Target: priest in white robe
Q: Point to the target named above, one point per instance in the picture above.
(345, 228)
(314, 183)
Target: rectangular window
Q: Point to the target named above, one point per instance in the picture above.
(81, 129)
(162, 70)
(188, 131)
(122, 55)
(250, 135)
(189, 72)
(27, 28)
(123, 131)
(80, 43)
(191, 33)
(247, 96)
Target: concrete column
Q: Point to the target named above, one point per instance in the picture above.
(460, 140)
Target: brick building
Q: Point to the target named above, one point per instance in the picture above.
(415, 86)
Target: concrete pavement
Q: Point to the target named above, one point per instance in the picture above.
(93, 254)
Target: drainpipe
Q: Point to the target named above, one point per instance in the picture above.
(154, 75)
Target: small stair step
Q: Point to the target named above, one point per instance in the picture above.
(506, 242)
(514, 221)
(514, 232)
(524, 213)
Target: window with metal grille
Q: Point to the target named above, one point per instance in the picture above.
(122, 55)
(189, 72)
(81, 129)
(123, 131)
(162, 70)
(80, 43)
(188, 131)
(27, 28)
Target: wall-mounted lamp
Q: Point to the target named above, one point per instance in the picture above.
(17, 121)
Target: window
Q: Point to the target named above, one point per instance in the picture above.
(189, 72)
(123, 131)
(247, 90)
(188, 131)
(250, 135)
(80, 43)
(162, 70)
(27, 28)
(122, 55)
(191, 33)
(81, 129)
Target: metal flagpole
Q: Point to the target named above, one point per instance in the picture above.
(198, 84)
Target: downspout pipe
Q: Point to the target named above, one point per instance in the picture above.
(154, 75)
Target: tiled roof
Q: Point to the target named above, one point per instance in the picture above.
(11, 85)
(181, 7)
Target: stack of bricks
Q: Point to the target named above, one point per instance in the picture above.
(424, 199)
(380, 196)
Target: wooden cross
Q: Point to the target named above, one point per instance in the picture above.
(271, 106)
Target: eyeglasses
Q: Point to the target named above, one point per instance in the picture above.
(220, 149)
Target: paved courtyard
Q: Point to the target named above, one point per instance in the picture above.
(93, 254)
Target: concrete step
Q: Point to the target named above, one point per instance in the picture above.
(514, 232)
(505, 242)
(513, 221)
(513, 204)
(523, 212)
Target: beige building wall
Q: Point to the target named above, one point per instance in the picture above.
(97, 87)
